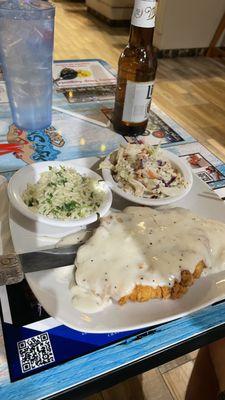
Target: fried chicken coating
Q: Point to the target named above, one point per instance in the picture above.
(144, 293)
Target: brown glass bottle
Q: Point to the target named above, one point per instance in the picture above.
(136, 73)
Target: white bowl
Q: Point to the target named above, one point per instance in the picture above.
(177, 162)
(31, 174)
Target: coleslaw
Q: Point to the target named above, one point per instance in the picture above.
(143, 171)
(64, 194)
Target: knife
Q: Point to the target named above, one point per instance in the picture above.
(14, 266)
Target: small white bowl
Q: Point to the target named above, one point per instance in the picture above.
(31, 174)
(176, 161)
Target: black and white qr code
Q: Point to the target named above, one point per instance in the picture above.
(35, 352)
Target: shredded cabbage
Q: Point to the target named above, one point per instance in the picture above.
(141, 170)
(64, 194)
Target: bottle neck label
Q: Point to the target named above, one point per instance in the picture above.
(144, 13)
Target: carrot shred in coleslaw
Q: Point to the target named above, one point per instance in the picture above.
(143, 171)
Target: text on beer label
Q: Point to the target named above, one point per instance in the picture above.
(137, 101)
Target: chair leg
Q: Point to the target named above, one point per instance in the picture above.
(216, 37)
(203, 383)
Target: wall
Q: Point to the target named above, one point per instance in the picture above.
(187, 23)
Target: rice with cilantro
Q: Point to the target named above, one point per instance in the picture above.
(62, 193)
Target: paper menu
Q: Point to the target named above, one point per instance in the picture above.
(89, 73)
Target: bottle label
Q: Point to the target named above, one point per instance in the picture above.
(137, 101)
(144, 13)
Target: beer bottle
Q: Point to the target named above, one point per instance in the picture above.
(136, 72)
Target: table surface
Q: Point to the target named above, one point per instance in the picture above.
(102, 368)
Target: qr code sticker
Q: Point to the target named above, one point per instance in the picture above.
(35, 352)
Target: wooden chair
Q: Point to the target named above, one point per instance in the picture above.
(214, 51)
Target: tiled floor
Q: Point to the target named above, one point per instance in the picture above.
(167, 382)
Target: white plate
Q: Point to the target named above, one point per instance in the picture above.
(32, 173)
(52, 290)
(176, 161)
(51, 287)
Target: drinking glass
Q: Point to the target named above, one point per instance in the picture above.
(26, 49)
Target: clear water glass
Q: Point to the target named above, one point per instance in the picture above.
(26, 51)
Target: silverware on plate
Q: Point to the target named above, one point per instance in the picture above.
(14, 266)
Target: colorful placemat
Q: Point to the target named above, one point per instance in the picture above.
(34, 341)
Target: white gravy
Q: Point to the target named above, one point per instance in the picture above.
(143, 246)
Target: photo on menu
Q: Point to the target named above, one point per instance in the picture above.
(157, 132)
(203, 168)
